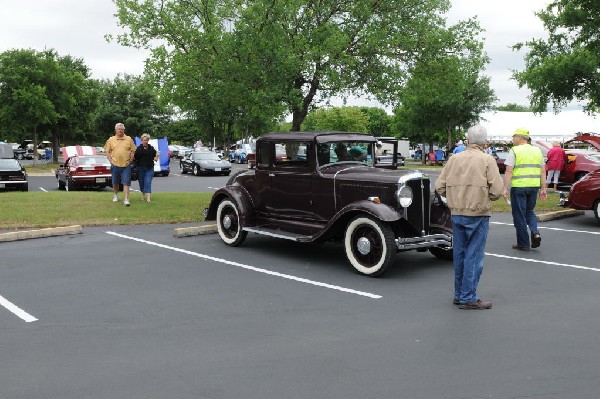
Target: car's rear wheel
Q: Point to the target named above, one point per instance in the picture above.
(25, 187)
(597, 210)
(61, 185)
(369, 245)
(196, 170)
(228, 224)
(70, 186)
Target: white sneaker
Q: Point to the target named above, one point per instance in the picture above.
(116, 198)
(126, 202)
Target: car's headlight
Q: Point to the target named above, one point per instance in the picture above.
(404, 196)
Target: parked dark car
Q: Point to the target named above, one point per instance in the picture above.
(328, 188)
(85, 169)
(204, 162)
(13, 175)
(584, 194)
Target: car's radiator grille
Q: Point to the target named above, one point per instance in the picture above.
(418, 212)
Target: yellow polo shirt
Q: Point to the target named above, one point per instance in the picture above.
(119, 149)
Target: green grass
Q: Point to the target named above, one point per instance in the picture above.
(22, 210)
(41, 168)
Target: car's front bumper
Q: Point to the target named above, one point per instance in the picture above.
(427, 241)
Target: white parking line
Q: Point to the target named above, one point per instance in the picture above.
(553, 228)
(16, 310)
(248, 267)
(43, 189)
(544, 262)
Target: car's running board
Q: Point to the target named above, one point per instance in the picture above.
(278, 234)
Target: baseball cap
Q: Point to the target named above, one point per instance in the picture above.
(521, 132)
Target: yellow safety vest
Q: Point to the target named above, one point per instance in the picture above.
(528, 166)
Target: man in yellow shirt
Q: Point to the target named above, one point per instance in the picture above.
(120, 149)
(524, 178)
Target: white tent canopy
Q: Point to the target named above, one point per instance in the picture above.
(546, 126)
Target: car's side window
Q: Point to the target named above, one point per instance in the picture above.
(291, 154)
(263, 154)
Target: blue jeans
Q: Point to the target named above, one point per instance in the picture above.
(145, 176)
(121, 175)
(469, 237)
(523, 201)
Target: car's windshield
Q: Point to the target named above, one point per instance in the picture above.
(206, 156)
(345, 151)
(8, 163)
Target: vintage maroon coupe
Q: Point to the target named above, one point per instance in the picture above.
(327, 188)
(584, 194)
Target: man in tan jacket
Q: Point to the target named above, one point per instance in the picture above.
(470, 181)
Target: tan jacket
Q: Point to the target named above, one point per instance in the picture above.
(470, 181)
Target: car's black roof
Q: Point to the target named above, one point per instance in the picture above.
(320, 136)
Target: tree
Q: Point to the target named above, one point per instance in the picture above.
(446, 91)
(344, 119)
(133, 101)
(244, 60)
(565, 66)
(43, 91)
(511, 107)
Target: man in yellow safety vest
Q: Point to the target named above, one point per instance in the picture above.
(525, 176)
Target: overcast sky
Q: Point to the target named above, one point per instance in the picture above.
(77, 28)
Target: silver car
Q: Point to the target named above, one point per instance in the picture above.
(204, 162)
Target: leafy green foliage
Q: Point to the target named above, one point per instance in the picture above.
(237, 65)
(566, 65)
(446, 91)
(133, 101)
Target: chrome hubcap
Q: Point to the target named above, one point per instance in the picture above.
(363, 245)
(227, 222)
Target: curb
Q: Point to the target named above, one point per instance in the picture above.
(195, 231)
(49, 232)
(565, 213)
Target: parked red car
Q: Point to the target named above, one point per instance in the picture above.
(580, 163)
(82, 167)
(584, 194)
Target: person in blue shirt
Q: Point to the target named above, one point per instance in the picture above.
(459, 148)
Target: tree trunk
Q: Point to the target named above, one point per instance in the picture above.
(298, 115)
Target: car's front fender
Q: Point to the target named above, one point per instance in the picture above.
(241, 199)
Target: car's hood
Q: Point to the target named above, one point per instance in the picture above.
(214, 163)
(361, 173)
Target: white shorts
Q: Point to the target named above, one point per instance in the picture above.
(551, 174)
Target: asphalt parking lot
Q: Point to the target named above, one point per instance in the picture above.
(133, 312)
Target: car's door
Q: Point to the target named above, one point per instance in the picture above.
(291, 182)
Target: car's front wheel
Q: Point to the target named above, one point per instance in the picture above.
(182, 169)
(597, 210)
(228, 224)
(445, 253)
(196, 170)
(369, 245)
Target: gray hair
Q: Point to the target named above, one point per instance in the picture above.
(477, 135)
(119, 125)
(145, 136)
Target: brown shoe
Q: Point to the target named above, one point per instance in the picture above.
(536, 240)
(476, 305)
